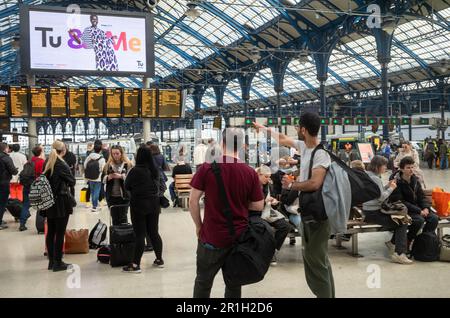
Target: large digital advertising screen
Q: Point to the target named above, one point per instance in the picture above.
(81, 41)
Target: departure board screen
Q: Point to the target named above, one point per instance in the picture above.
(18, 101)
(95, 102)
(169, 103)
(131, 102)
(77, 102)
(4, 101)
(58, 102)
(148, 103)
(38, 96)
(113, 102)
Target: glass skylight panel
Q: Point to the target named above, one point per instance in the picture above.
(188, 43)
(232, 92)
(209, 98)
(214, 28)
(253, 13)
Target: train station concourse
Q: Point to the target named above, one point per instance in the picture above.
(225, 149)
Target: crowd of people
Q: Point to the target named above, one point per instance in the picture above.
(271, 191)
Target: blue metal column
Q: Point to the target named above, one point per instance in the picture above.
(245, 81)
(384, 44)
(197, 97)
(278, 65)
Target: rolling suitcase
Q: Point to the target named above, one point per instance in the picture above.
(122, 241)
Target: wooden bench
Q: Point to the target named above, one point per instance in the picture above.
(356, 225)
(183, 188)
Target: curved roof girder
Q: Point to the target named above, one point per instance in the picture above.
(421, 62)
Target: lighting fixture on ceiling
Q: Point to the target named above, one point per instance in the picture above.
(288, 2)
(444, 65)
(219, 78)
(255, 55)
(152, 4)
(303, 56)
(192, 11)
(389, 24)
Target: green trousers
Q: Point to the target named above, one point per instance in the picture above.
(318, 272)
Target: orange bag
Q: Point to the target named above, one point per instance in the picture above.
(76, 241)
(441, 202)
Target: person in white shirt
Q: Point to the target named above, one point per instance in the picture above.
(19, 160)
(200, 154)
(315, 230)
(95, 184)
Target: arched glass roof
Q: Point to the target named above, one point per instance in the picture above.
(226, 29)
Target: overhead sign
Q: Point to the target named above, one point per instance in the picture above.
(170, 103)
(113, 99)
(38, 96)
(18, 101)
(148, 100)
(77, 102)
(58, 102)
(92, 42)
(95, 102)
(4, 101)
(131, 102)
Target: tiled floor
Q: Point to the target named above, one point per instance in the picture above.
(23, 270)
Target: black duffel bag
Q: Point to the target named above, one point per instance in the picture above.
(122, 233)
(252, 251)
(311, 203)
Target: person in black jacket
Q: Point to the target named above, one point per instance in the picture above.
(113, 176)
(143, 183)
(7, 170)
(61, 180)
(71, 160)
(410, 192)
(180, 168)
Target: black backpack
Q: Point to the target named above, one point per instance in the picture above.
(104, 254)
(363, 187)
(92, 170)
(27, 175)
(426, 247)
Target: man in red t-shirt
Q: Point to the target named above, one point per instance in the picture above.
(244, 193)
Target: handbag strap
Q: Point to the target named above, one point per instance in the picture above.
(223, 197)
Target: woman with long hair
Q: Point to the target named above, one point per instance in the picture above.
(143, 183)
(61, 179)
(114, 174)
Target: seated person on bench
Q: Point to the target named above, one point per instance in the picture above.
(409, 191)
(180, 168)
(275, 218)
(373, 214)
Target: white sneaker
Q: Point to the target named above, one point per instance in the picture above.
(274, 262)
(390, 246)
(94, 210)
(401, 259)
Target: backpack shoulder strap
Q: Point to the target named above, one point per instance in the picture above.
(311, 161)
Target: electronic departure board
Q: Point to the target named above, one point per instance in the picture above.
(58, 104)
(169, 103)
(38, 97)
(130, 102)
(148, 103)
(77, 102)
(113, 102)
(18, 101)
(4, 101)
(95, 102)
